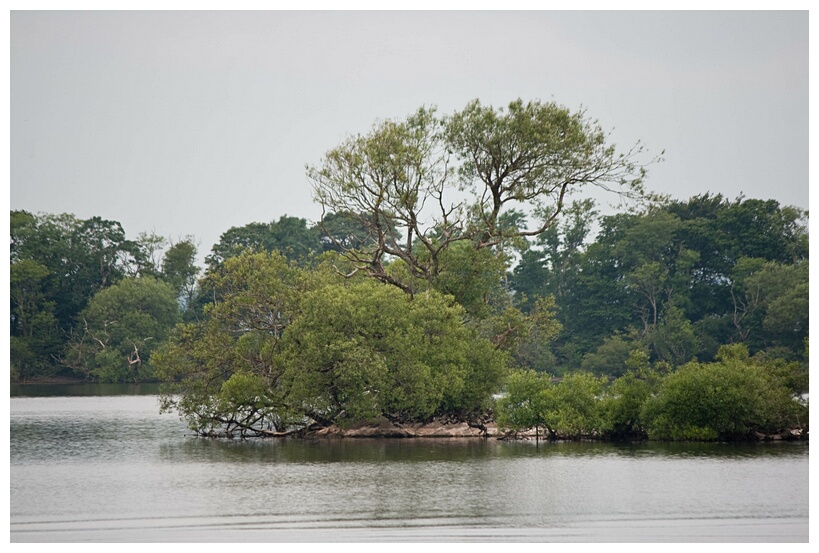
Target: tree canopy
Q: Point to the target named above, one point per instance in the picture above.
(324, 348)
(673, 277)
(456, 259)
(401, 179)
(119, 329)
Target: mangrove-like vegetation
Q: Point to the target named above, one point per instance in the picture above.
(460, 271)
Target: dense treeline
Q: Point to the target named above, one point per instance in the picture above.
(677, 279)
(88, 302)
(671, 320)
(85, 298)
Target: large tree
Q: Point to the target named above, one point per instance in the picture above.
(363, 349)
(255, 298)
(282, 345)
(402, 180)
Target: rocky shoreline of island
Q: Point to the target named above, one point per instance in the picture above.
(437, 428)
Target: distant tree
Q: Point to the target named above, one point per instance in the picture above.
(762, 228)
(550, 265)
(342, 231)
(82, 256)
(180, 270)
(678, 273)
(148, 247)
(535, 351)
(119, 329)
(107, 255)
(611, 356)
(674, 340)
(289, 236)
(723, 232)
(783, 293)
(770, 303)
(35, 339)
(27, 295)
(58, 263)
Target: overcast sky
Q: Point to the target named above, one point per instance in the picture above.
(193, 122)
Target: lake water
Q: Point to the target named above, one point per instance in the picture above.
(110, 468)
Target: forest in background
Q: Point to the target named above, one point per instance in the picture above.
(371, 313)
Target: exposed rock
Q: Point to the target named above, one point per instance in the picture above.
(447, 428)
(787, 434)
(795, 433)
(437, 429)
(383, 428)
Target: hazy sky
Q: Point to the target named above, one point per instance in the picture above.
(193, 122)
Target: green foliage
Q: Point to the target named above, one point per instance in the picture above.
(533, 153)
(623, 401)
(329, 350)
(244, 404)
(570, 408)
(256, 296)
(610, 357)
(574, 407)
(120, 327)
(342, 231)
(197, 359)
(366, 349)
(334, 359)
(469, 275)
(397, 180)
(550, 265)
(523, 404)
(58, 262)
(685, 276)
(180, 270)
(782, 295)
(82, 256)
(389, 179)
(35, 335)
(506, 275)
(509, 327)
(148, 247)
(289, 236)
(792, 371)
(674, 339)
(535, 351)
(727, 399)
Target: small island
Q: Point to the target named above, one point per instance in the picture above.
(452, 287)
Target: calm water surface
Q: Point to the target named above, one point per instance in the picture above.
(110, 468)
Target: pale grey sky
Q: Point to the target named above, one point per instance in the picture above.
(193, 122)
